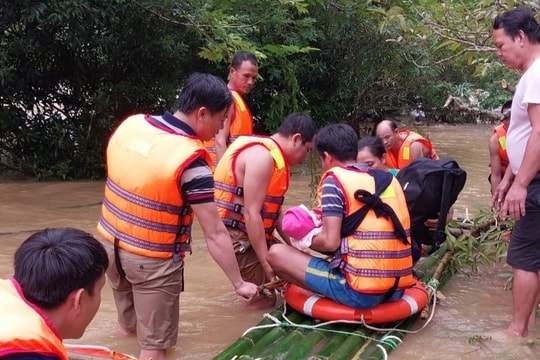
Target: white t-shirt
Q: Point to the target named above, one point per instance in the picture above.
(519, 130)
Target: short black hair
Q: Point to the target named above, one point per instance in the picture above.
(52, 263)
(338, 140)
(298, 123)
(206, 90)
(506, 105)
(516, 20)
(241, 56)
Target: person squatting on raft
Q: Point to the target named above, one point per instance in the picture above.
(159, 179)
(403, 146)
(54, 293)
(359, 278)
(251, 180)
(516, 35)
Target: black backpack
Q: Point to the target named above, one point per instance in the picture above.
(431, 187)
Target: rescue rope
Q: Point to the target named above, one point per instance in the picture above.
(388, 340)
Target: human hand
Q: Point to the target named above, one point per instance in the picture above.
(513, 205)
(431, 223)
(246, 290)
(499, 194)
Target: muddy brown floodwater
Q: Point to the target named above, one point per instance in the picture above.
(212, 316)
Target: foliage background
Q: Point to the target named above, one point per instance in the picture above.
(71, 70)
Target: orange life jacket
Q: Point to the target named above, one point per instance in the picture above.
(501, 130)
(24, 328)
(404, 156)
(373, 259)
(144, 208)
(241, 124)
(229, 195)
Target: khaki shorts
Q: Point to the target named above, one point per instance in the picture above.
(148, 298)
(248, 262)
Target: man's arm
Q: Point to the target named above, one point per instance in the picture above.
(494, 162)
(419, 150)
(329, 239)
(220, 247)
(197, 185)
(332, 208)
(258, 168)
(514, 202)
(222, 137)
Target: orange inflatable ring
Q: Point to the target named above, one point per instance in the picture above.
(309, 303)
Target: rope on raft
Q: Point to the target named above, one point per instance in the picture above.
(389, 340)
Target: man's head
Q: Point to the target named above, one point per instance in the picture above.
(336, 144)
(514, 31)
(205, 100)
(62, 271)
(243, 72)
(506, 112)
(295, 135)
(387, 131)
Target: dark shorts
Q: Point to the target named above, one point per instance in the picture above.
(524, 247)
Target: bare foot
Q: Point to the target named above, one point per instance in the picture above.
(505, 336)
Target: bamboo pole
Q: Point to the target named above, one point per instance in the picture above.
(436, 276)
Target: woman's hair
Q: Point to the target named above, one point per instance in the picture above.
(374, 144)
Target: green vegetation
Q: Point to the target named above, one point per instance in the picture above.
(71, 70)
(478, 242)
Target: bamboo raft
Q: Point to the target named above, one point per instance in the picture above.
(288, 334)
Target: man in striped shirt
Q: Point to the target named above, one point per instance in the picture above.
(158, 175)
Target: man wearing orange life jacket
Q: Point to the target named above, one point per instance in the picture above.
(158, 179)
(242, 76)
(251, 180)
(53, 295)
(403, 146)
(372, 262)
(498, 158)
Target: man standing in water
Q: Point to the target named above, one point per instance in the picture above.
(516, 35)
(251, 180)
(158, 179)
(242, 76)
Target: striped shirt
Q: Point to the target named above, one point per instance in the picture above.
(333, 198)
(196, 182)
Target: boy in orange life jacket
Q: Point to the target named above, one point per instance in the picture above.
(242, 77)
(403, 146)
(498, 158)
(251, 180)
(53, 295)
(355, 284)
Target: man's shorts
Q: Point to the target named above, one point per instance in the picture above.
(524, 247)
(248, 262)
(332, 284)
(148, 298)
